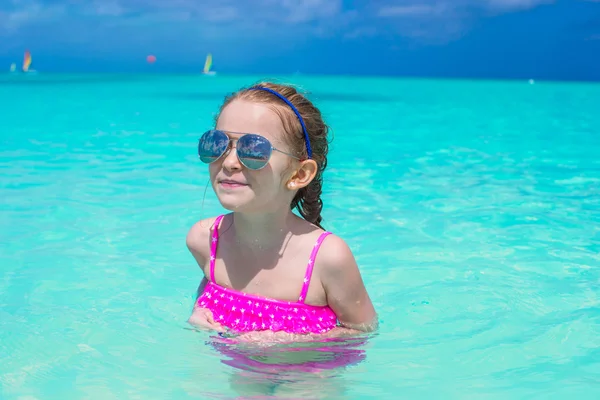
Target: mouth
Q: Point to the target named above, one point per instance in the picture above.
(230, 183)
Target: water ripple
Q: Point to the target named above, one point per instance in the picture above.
(473, 209)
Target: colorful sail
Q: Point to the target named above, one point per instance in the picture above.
(26, 61)
(207, 63)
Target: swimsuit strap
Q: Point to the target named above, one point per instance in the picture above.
(213, 247)
(309, 267)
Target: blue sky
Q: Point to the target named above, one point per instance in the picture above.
(542, 39)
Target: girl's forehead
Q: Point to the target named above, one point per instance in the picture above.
(241, 117)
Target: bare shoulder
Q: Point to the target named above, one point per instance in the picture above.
(344, 287)
(335, 256)
(198, 239)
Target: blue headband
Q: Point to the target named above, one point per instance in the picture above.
(295, 110)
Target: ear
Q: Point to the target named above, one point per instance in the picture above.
(303, 176)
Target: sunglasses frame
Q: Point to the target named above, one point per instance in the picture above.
(230, 146)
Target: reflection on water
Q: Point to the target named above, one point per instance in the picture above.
(272, 368)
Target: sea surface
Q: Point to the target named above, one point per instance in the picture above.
(472, 207)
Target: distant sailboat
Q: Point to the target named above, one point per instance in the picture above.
(27, 63)
(207, 65)
(13, 67)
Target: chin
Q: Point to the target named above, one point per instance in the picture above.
(233, 202)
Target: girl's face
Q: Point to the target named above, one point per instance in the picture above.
(239, 188)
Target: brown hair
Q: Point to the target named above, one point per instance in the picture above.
(308, 199)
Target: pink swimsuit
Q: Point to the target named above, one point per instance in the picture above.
(244, 312)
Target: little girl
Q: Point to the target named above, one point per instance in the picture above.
(265, 268)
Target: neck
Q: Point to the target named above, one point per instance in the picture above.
(264, 230)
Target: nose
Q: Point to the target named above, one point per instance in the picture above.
(231, 162)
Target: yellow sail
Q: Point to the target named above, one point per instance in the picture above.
(26, 61)
(207, 63)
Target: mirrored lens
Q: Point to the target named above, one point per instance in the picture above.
(212, 145)
(254, 151)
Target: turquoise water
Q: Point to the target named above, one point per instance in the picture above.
(473, 209)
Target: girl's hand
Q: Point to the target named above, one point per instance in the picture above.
(203, 318)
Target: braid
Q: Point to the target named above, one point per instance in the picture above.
(308, 200)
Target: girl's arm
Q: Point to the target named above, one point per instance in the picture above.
(201, 287)
(345, 289)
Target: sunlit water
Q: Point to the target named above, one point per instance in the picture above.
(473, 209)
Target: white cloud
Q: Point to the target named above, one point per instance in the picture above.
(107, 8)
(309, 10)
(221, 14)
(510, 5)
(424, 19)
(441, 21)
(288, 11)
(411, 10)
(207, 19)
(26, 12)
(362, 32)
(273, 11)
(403, 8)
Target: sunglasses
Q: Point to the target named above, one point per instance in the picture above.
(253, 151)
